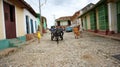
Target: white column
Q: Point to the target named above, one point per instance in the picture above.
(112, 19)
(3, 21)
(84, 27)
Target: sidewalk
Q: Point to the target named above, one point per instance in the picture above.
(112, 36)
(7, 51)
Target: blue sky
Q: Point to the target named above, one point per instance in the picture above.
(57, 8)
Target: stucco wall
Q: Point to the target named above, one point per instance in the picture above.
(20, 26)
(88, 21)
(63, 23)
(2, 25)
(83, 18)
(27, 13)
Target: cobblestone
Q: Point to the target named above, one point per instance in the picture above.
(88, 51)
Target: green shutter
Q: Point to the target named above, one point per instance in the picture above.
(118, 16)
(92, 20)
(118, 8)
(102, 17)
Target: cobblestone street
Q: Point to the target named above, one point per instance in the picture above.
(88, 51)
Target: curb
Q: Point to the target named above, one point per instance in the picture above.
(106, 36)
(8, 51)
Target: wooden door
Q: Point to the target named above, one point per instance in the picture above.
(9, 15)
(118, 16)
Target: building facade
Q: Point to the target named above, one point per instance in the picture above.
(42, 23)
(102, 17)
(17, 20)
(63, 21)
(74, 19)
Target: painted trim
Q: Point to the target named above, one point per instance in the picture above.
(25, 23)
(22, 38)
(104, 32)
(4, 33)
(34, 26)
(4, 44)
(16, 22)
(30, 16)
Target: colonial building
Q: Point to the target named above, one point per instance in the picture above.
(86, 8)
(17, 19)
(63, 21)
(75, 20)
(103, 17)
(42, 23)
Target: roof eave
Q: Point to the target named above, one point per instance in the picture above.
(23, 4)
(100, 2)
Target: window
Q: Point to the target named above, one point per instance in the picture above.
(32, 28)
(27, 24)
(58, 22)
(11, 13)
(69, 23)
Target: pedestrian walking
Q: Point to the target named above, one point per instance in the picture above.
(76, 32)
(38, 36)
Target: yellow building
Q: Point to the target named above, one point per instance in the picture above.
(14, 22)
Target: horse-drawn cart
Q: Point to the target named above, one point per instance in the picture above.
(57, 34)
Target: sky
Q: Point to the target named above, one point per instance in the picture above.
(53, 9)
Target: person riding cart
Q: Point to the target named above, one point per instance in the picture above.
(56, 33)
(52, 29)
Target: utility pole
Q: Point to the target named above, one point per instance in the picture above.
(54, 20)
(40, 27)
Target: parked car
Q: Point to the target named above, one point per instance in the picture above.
(68, 29)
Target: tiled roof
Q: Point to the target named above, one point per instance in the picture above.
(75, 15)
(64, 18)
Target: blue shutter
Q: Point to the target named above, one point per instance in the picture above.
(32, 29)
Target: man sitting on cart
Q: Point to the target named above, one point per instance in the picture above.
(52, 29)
